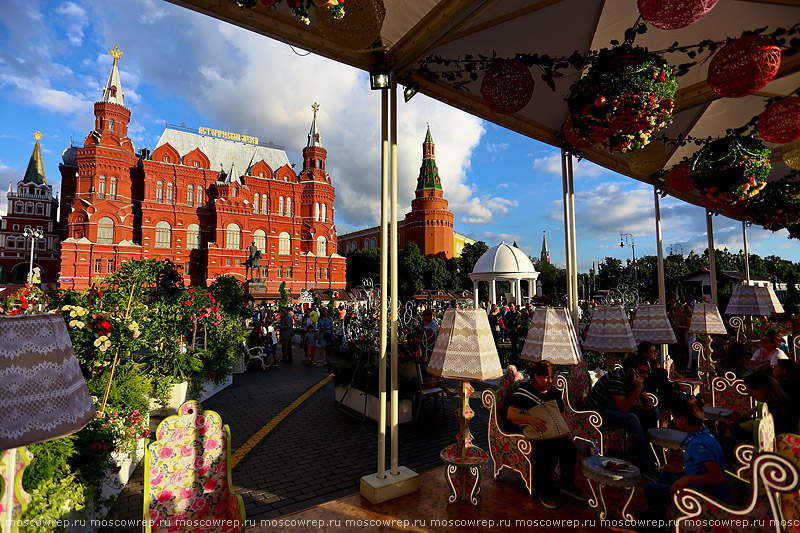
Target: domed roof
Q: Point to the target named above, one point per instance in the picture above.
(503, 258)
(69, 156)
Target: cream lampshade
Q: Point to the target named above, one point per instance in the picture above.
(706, 320)
(610, 331)
(753, 301)
(651, 324)
(551, 337)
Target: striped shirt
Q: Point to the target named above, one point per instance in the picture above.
(614, 383)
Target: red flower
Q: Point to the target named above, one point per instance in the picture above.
(187, 302)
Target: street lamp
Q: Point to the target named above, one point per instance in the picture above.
(32, 234)
(626, 239)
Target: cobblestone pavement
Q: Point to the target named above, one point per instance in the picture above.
(318, 452)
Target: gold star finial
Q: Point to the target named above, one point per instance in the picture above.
(315, 107)
(116, 53)
(38, 135)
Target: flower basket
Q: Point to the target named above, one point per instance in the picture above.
(627, 91)
(743, 66)
(648, 160)
(777, 206)
(359, 28)
(674, 14)
(780, 121)
(731, 170)
(507, 86)
(680, 178)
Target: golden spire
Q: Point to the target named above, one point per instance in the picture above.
(38, 135)
(116, 53)
(315, 107)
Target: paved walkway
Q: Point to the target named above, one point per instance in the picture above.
(317, 452)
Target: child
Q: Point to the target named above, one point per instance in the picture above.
(270, 342)
(703, 462)
(310, 344)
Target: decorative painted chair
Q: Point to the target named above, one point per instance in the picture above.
(508, 450)
(763, 441)
(690, 385)
(586, 423)
(788, 445)
(729, 392)
(187, 475)
(9, 515)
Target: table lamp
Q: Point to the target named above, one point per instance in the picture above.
(705, 321)
(44, 398)
(651, 324)
(610, 331)
(464, 350)
(552, 337)
(751, 300)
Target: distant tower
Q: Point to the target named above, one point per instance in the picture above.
(430, 223)
(545, 256)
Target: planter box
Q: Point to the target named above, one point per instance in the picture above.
(240, 365)
(355, 401)
(210, 388)
(178, 393)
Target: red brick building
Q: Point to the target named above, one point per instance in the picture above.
(429, 224)
(200, 199)
(31, 205)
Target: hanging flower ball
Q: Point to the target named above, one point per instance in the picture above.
(780, 121)
(648, 160)
(711, 203)
(637, 89)
(575, 139)
(778, 205)
(358, 29)
(791, 154)
(743, 66)
(674, 14)
(680, 178)
(507, 86)
(731, 170)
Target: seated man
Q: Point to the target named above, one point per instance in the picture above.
(615, 396)
(703, 462)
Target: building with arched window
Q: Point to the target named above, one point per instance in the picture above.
(200, 199)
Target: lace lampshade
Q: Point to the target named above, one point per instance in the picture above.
(610, 331)
(465, 347)
(44, 395)
(706, 320)
(551, 337)
(651, 324)
(753, 301)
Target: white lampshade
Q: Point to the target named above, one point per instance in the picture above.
(465, 347)
(651, 324)
(551, 337)
(706, 320)
(610, 331)
(754, 301)
(44, 395)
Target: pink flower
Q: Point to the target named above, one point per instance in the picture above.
(199, 504)
(210, 485)
(157, 479)
(199, 463)
(177, 477)
(221, 469)
(199, 421)
(164, 496)
(153, 514)
(202, 430)
(187, 451)
(166, 452)
(202, 471)
(212, 444)
(186, 493)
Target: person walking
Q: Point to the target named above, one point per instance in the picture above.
(325, 329)
(286, 326)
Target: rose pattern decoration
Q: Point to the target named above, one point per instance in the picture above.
(187, 474)
(578, 385)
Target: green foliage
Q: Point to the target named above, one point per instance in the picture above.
(284, 295)
(52, 500)
(792, 305)
(130, 389)
(229, 294)
(437, 278)
(554, 279)
(49, 461)
(469, 256)
(412, 269)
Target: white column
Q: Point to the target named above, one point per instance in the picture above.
(712, 263)
(384, 278)
(746, 255)
(573, 245)
(475, 293)
(661, 285)
(518, 296)
(567, 247)
(393, 277)
(493, 292)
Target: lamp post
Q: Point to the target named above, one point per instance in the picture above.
(626, 239)
(32, 234)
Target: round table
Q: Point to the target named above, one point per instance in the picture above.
(603, 477)
(463, 472)
(717, 414)
(667, 439)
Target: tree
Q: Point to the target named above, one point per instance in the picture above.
(363, 264)
(469, 256)
(229, 294)
(610, 273)
(284, 301)
(554, 279)
(412, 271)
(436, 276)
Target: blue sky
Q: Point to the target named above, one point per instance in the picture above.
(181, 67)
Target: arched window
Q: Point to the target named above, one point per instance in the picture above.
(160, 191)
(101, 187)
(190, 195)
(163, 235)
(260, 238)
(192, 237)
(374, 242)
(170, 194)
(256, 200)
(264, 204)
(232, 236)
(19, 207)
(200, 198)
(284, 244)
(288, 207)
(280, 206)
(316, 212)
(112, 187)
(324, 212)
(29, 208)
(321, 246)
(105, 231)
(40, 209)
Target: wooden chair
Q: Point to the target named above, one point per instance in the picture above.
(508, 450)
(763, 440)
(729, 392)
(187, 474)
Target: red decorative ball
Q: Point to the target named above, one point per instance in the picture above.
(743, 66)
(507, 86)
(600, 101)
(674, 14)
(780, 121)
(680, 178)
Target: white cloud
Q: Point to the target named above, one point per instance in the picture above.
(485, 209)
(496, 147)
(76, 21)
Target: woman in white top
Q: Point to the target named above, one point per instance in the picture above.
(769, 353)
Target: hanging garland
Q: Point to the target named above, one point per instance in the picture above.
(674, 14)
(299, 8)
(730, 170)
(778, 205)
(627, 90)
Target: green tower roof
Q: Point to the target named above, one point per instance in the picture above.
(35, 171)
(428, 172)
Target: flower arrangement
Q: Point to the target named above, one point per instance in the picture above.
(731, 170)
(24, 301)
(628, 92)
(299, 8)
(116, 432)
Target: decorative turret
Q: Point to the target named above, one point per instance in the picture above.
(35, 171)
(545, 255)
(110, 112)
(314, 154)
(112, 92)
(428, 172)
